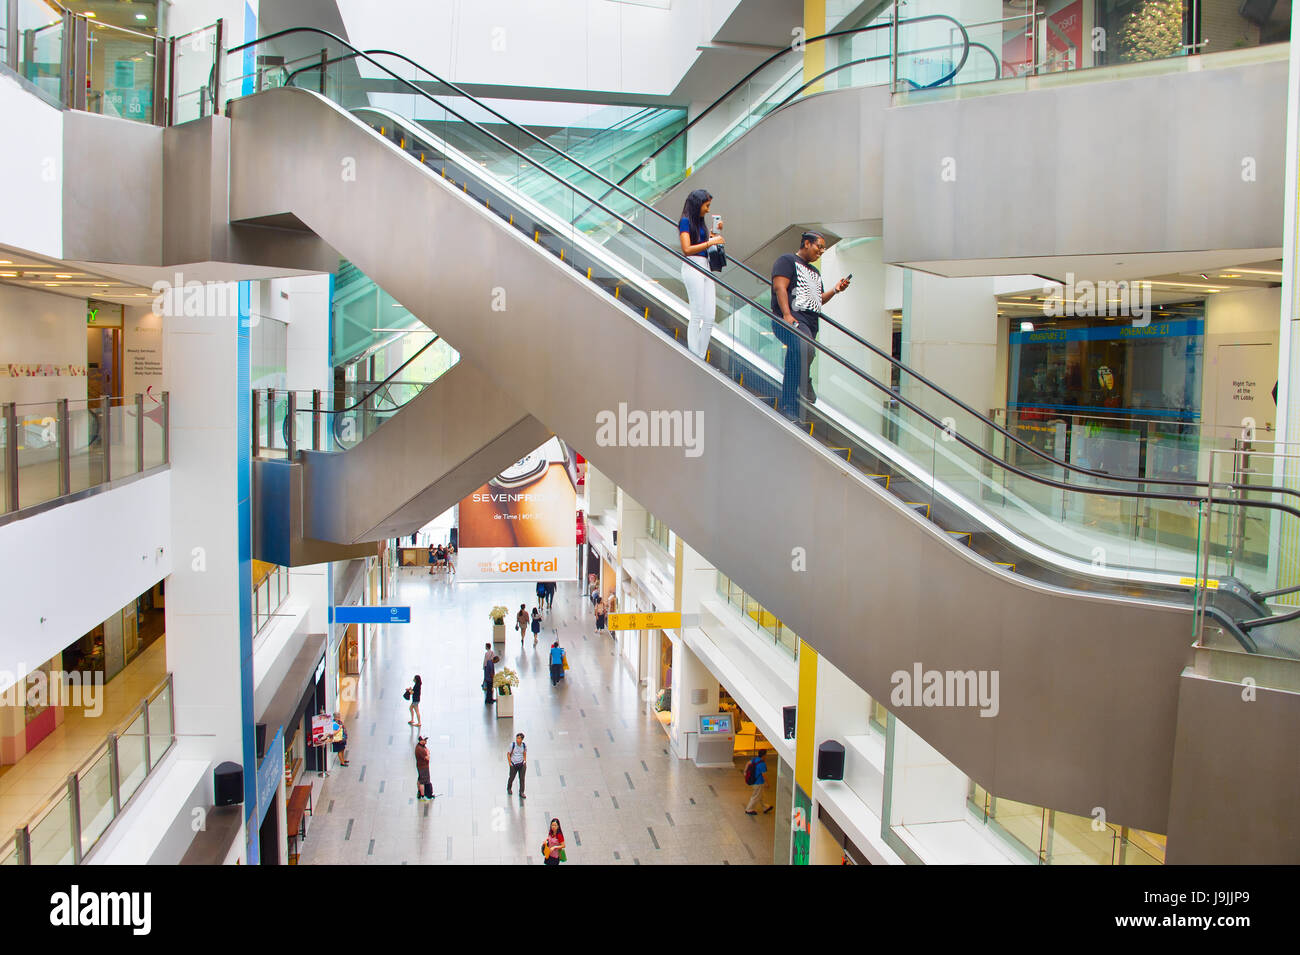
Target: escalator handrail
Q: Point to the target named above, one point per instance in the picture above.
(373, 391)
(784, 50)
(978, 450)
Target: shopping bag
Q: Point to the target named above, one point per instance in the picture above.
(565, 658)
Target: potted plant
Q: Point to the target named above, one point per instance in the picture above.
(505, 681)
(498, 617)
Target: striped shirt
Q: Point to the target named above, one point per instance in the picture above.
(517, 753)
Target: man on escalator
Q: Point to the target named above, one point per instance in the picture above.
(797, 300)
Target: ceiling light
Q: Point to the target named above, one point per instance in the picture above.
(1026, 326)
(63, 275)
(1275, 274)
(9, 275)
(142, 16)
(5, 262)
(51, 284)
(91, 13)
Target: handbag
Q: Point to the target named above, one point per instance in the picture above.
(565, 658)
(406, 694)
(717, 258)
(563, 857)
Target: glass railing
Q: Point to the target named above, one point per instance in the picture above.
(54, 449)
(1258, 546)
(193, 74)
(37, 51)
(1052, 837)
(123, 68)
(363, 317)
(762, 620)
(269, 594)
(72, 820)
(289, 421)
(1078, 528)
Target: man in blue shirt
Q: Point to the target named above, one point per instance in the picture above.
(557, 663)
(756, 776)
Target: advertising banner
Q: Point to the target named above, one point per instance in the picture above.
(521, 525)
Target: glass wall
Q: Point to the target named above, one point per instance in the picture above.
(764, 621)
(660, 533)
(1060, 838)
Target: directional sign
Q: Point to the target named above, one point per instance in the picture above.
(372, 614)
(645, 621)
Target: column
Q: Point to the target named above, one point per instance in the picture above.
(695, 693)
(209, 593)
(805, 762)
(1286, 530)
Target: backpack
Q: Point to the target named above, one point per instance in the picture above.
(750, 773)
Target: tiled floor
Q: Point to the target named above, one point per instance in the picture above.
(596, 759)
(25, 785)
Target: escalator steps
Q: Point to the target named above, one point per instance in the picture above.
(881, 478)
(1003, 563)
(920, 507)
(963, 536)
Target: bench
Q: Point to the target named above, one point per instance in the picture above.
(298, 809)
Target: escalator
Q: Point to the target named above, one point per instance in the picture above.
(918, 540)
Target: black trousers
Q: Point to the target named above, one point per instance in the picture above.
(519, 770)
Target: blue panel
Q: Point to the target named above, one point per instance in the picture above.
(372, 614)
(276, 490)
(250, 53)
(244, 518)
(270, 774)
(1169, 329)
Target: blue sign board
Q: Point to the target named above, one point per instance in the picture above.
(372, 614)
(270, 773)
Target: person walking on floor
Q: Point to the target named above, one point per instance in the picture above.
(413, 695)
(537, 624)
(423, 786)
(489, 674)
(522, 619)
(797, 300)
(701, 292)
(553, 847)
(433, 558)
(541, 594)
(557, 663)
(755, 777)
(517, 760)
(601, 611)
(550, 594)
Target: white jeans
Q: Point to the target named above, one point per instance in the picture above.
(702, 293)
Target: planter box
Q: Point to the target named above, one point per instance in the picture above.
(499, 632)
(505, 706)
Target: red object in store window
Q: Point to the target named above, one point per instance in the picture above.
(582, 528)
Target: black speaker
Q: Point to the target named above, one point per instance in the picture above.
(228, 784)
(259, 731)
(830, 760)
(455, 537)
(787, 717)
(1257, 11)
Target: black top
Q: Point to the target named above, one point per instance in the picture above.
(805, 288)
(415, 692)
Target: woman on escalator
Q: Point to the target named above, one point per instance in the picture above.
(696, 240)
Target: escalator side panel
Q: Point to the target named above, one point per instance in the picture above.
(1088, 688)
(424, 459)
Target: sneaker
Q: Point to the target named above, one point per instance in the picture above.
(769, 809)
(509, 793)
(750, 812)
(522, 796)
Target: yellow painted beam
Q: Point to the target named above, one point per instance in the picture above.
(805, 743)
(814, 54)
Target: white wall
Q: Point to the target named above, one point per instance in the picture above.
(39, 328)
(302, 303)
(142, 354)
(950, 336)
(563, 44)
(75, 564)
(1250, 317)
(31, 168)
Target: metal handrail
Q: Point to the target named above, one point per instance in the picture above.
(834, 34)
(894, 396)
